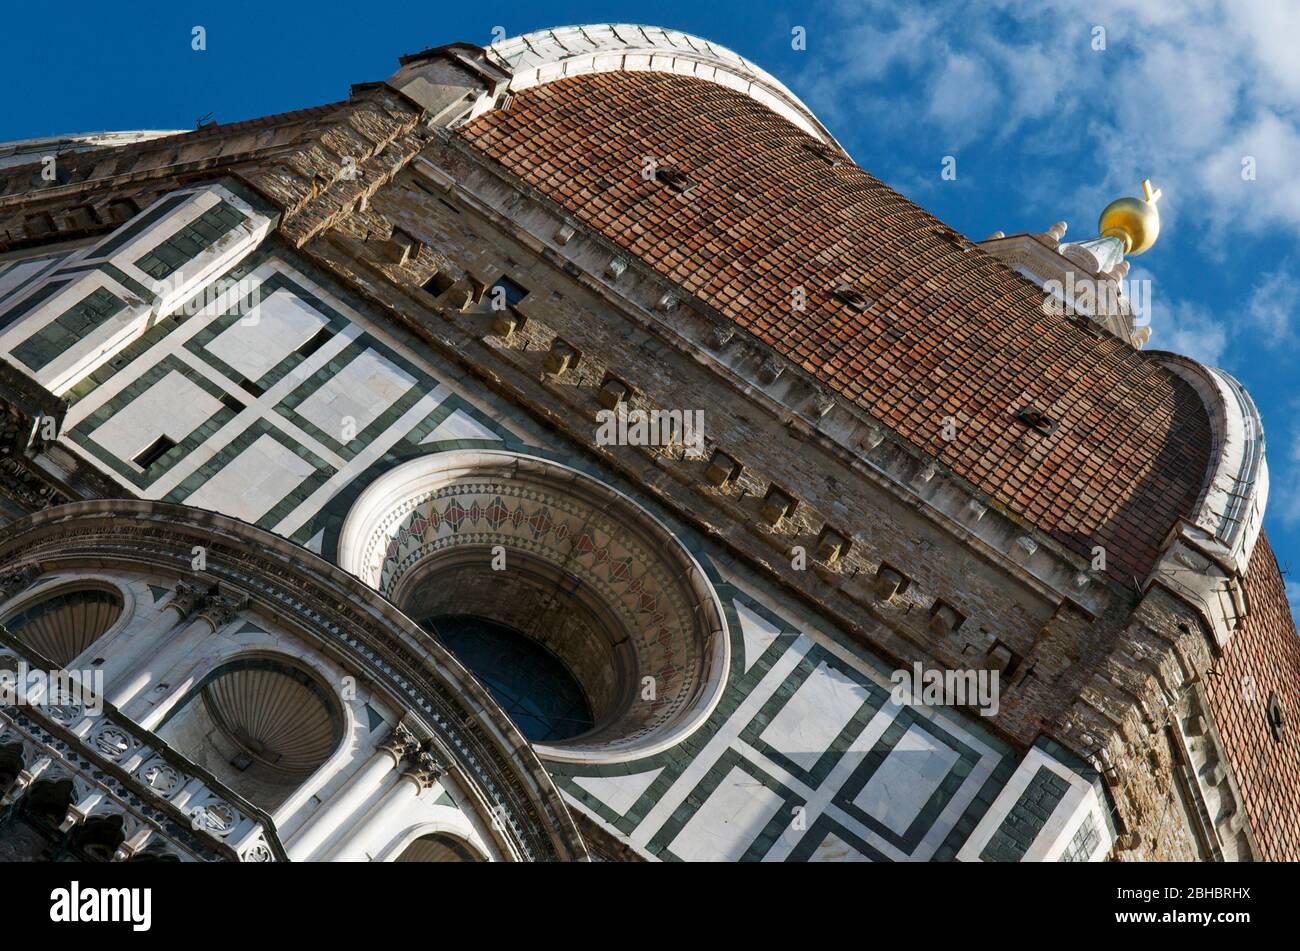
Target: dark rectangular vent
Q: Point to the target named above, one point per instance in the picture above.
(315, 343)
(1036, 420)
(678, 181)
(854, 298)
(831, 156)
(439, 283)
(505, 293)
(156, 450)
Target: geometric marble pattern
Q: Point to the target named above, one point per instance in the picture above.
(806, 758)
(253, 482)
(757, 633)
(735, 813)
(804, 728)
(356, 395)
(910, 775)
(619, 793)
(270, 331)
(174, 406)
(459, 425)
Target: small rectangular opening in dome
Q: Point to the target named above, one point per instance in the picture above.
(155, 451)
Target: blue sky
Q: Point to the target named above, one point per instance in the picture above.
(1043, 126)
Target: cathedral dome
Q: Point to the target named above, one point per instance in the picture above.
(903, 317)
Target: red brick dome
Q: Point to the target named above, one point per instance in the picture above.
(936, 327)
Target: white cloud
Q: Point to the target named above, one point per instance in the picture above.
(963, 96)
(1191, 330)
(1182, 93)
(1272, 304)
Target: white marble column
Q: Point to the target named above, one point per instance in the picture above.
(121, 663)
(149, 668)
(342, 805)
(174, 662)
(420, 775)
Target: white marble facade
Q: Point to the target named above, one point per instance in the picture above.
(271, 415)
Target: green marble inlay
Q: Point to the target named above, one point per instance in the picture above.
(874, 699)
(967, 759)
(780, 824)
(817, 834)
(74, 324)
(423, 385)
(1012, 839)
(260, 427)
(191, 241)
(198, 344)
(37, 275)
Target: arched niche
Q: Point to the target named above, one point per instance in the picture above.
(262, 724)
(439, 847)
(64, 621)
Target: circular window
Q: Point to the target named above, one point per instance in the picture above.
(531, 684)
(578, 571)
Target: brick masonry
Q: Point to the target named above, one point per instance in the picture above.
(1126, 461)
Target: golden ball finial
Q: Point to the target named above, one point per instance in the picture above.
(1135, 221)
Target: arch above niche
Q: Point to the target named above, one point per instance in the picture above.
(439, 847)
(639, 591)
(261, 722)
(513, 799)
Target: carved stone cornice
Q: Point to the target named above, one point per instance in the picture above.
(30, 490)
(17, 580)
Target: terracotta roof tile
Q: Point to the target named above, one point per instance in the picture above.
(952, 330)
(1263, 659)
